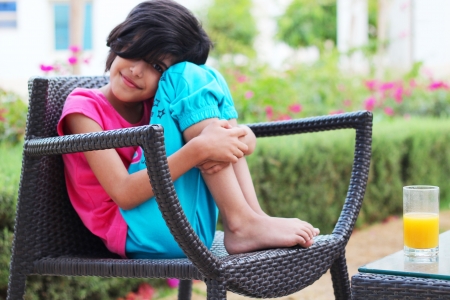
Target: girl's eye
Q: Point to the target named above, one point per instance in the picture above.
(158, 68)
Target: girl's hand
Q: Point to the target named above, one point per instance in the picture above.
(219, 140)
(249, 139)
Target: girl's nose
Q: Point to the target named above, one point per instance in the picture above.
(137, 68)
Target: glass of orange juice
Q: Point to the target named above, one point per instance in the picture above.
(421, 221)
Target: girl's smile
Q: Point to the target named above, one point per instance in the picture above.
(130, 83)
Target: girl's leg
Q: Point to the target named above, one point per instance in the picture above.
(246, 230)
(246, 226)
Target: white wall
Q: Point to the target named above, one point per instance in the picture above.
(431, 31)
(419, 31)
(400, 34)
(22, 48)
(352, 32)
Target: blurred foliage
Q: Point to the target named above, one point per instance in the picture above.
(231, 27)
(321, 87)
(13, 114)
(372, 6)
(308, 23)
(312, 22)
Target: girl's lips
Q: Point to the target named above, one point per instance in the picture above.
(128, 82)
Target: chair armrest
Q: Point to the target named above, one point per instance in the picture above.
(313, 124)
(361, 121)
(151, 139)
(89, 141)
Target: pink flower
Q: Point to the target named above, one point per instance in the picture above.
(403, 34)
(387, 86)
(74, 49)
(72, 60)
(336, 112)
(173, 282)
(438, 85)
(347, 102)
(248, 94)
(269, 112)
(412, 83)
(389, 111)
(284, 118)
(427, 72)
(398, 94)
(369, 104)
(242, 79)
(371, 85)
(46, 68)
(131, 296)
(2, 111)
(145, 291)
(295, 108)
(57, 68)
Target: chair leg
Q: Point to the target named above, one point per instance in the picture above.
(339, 275)
(185, 290)
(215, 290)
(16, 286)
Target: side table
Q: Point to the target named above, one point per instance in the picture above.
(394, 277)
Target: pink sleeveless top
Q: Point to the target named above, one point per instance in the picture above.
(99, 213)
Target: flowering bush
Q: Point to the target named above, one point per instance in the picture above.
(264, 94)
(13, 115)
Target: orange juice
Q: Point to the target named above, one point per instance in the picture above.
(421, 230)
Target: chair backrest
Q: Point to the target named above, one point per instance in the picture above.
(46, 223)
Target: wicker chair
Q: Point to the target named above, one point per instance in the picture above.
(51, 240)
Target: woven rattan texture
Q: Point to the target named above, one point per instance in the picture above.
(50, 238)
(367, 286)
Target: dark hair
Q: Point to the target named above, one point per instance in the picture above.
(156, 29)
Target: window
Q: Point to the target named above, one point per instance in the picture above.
(8, 14)
(62, 17)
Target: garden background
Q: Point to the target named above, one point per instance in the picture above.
(297, 176)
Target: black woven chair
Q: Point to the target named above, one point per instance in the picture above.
(51, 240)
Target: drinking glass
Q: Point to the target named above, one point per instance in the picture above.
(421, 221)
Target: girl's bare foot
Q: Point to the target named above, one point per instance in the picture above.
(261, 232)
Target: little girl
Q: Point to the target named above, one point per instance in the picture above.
(117, 206)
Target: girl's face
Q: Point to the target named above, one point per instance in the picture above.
(134, 80)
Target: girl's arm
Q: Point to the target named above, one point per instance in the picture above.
(129, 190)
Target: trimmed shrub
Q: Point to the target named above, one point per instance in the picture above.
(307, 176)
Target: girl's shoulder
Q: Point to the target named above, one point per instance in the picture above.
(84, 96)
(186, 71)
(86, 93)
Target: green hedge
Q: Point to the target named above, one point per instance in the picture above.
(304, 176)
(307, 176)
